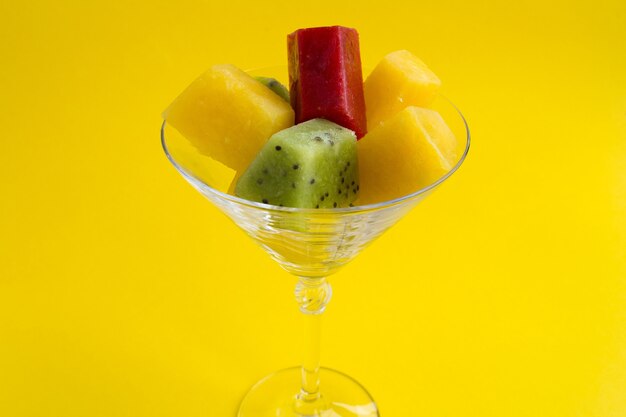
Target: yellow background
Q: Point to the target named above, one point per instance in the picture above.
(124, 293)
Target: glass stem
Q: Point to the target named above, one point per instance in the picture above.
(312, 295)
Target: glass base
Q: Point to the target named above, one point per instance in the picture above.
(275, 396)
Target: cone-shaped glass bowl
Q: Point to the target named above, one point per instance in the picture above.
(310, 244)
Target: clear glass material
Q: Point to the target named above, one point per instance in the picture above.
(311, 244)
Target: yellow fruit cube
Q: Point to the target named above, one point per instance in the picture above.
(228, 115)
(399, 80)
(410, 151)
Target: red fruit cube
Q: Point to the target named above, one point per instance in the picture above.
(325, 78)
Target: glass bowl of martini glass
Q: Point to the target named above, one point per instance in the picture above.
(311, 244)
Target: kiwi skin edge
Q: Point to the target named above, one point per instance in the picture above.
(275, 85)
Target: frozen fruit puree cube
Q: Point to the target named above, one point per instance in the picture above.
(228, 115)
(399, 80)
(310, 165)
(325, 77)
(410, 151)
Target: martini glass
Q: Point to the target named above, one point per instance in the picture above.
(311, 244)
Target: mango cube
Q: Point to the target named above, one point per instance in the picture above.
(228, 115)
(410, 151)
(399, 80)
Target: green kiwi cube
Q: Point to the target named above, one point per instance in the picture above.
(310, 165)
(275, 85)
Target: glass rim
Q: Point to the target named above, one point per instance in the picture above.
(340, 210)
